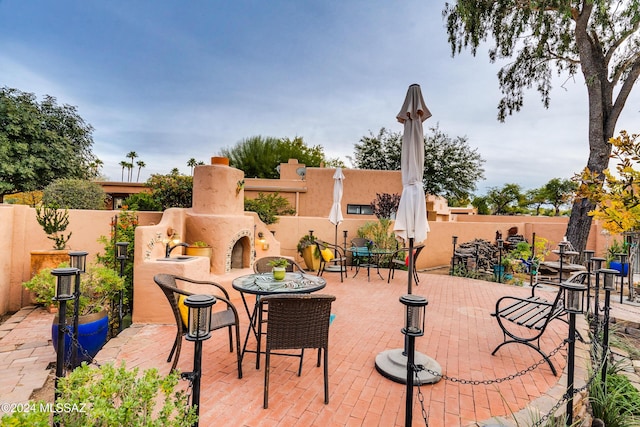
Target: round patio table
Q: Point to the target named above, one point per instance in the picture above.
(264, 284)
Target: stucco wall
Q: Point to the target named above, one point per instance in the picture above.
(22, 234)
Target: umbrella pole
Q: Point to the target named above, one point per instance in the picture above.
(335, 249)
(411, 266)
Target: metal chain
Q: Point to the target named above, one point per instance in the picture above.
(83, 352)
(497, 380)
(425, 416)
(188, 376)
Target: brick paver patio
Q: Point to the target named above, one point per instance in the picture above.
(460, 335)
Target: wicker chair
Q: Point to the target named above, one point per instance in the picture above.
(339, 259)
(219, 318)
(261, 265)
(397, 261)
(297, 321)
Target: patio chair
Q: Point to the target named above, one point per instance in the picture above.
(400, 258)
(261, 265)
(227, 317)
(331, 254)
(297, 321)
(360, 253)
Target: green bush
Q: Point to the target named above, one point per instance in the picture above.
(54, 221)
(110, 396)
(618, 405)
(142, 202)
(172, 190)
(74, 194)
(268, 206)
(378, 232)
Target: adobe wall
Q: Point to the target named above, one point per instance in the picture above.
(22, 234)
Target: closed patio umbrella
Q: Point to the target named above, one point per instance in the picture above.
(335, 216)
(411, 223)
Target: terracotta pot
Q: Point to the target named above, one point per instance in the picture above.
(206, 251)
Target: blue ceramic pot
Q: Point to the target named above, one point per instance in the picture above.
(615, 265)
(92, 335)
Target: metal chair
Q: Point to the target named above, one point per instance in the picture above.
(261, 265)
(398, 261)
(339, 258)
(297, 321)
(219, 318)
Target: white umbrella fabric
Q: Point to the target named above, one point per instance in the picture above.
(411, 223)
(411, 218)
(335, 216)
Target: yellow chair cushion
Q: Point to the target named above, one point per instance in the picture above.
(327, 254)
(184, 311)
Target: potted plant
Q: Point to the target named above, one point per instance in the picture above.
(199, 248)
(308, 250)
(99, 286)
(54, 222)
(279, 266)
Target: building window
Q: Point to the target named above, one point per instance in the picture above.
(359, 209)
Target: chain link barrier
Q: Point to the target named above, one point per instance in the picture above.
(595, 343)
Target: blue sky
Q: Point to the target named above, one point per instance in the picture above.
(173, 80)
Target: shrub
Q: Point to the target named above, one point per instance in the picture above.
(74, 194)
(142, 202)
(172, 190)
(385, 205)
(268, 206)
(378, 232)
(110, 396)
(54, 221)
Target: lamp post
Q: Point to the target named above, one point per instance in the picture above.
(121, 255)
(588, 255)
(415, 307)
(574, 303)
(500, 267)
(597, 265)
(609, 286)
(477, 245)
(623, 261)
(562, 246)
(77, 259)
(454, 240)
(199, 329)
(64, 280)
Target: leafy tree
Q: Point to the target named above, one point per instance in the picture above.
(535, 197)
(142, 202)
(171, 191)
(378, 152)
(259, 157)
(558, 192)
(617, 201)
(505, 200)
(40, 142)
(385, 205)
(451, 167)
(481, 203)
(268, 206)
(74, 194)
(600, 38)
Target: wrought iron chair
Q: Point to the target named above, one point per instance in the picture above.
(336, 256)
(261, 265)
(398, 261)
(226, 318)
(297, 321)
(360, 253)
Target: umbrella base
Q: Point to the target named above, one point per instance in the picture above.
(335, 268)
(392, 364)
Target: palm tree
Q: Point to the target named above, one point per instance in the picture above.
(123, 164)
(192, 164)
(140, 165)
(131, 155)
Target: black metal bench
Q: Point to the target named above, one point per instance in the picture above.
(534, 313)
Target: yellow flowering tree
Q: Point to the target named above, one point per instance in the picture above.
(616, 195)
